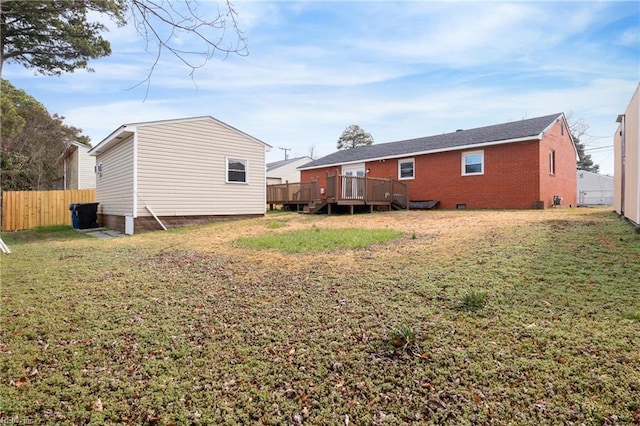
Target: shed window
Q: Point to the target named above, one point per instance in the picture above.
(406, 169)
(472, 163)
(236, 170)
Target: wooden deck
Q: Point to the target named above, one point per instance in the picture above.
(349, 191)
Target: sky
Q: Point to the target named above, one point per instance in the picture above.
(399, 70)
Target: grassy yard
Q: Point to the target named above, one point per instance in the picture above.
(444, 317)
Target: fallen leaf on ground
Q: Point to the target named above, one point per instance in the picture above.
(22, 381)
(97, 405)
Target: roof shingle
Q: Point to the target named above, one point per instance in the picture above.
(513, 131)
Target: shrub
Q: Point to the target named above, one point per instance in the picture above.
(634, 315)
(474, 300)
(403, 337)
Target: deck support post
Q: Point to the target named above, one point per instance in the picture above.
(351, 209)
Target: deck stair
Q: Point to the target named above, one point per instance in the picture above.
(314, 206)
(396, 205)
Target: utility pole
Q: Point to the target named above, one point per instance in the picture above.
(286, 156)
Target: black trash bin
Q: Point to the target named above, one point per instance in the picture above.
(87, 215)
(74, 216)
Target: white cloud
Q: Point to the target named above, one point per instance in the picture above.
(629, 38)
(100, 119)
(400, 70)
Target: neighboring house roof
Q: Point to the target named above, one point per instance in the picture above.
(70, 149)
(596, 175)
(282, 163)
(515, 131)
(129, 129)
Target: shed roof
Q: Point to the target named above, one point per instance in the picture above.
(278, 164)
(71, 148)
(514, 131)
(130, 128)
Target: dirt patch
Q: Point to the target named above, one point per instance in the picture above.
(187, 327)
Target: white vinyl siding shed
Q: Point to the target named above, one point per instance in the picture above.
(182, 170)
(177, 169)
(114, 184)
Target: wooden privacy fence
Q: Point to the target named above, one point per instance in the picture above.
(31, 209)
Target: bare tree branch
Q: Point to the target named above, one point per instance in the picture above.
(162, 23)
(58, 36)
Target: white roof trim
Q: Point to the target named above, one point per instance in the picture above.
(68, 149)
(129, 129)
(121, 132)
(546, 129)
(566, 126)
(433, 151)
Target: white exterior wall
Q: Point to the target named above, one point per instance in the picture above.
(79, 168)
(71, 173)
(617, 170)
(182, 170)
(632, 162)
(594, 189)
(86, 177)
(114, 186)
(288, 172)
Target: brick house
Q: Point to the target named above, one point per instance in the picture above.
(517, 165)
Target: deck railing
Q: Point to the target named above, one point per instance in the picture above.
(366, 189)
(351, 189)
(292, 193)
(400, 193)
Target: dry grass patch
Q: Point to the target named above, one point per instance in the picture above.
(187, 326)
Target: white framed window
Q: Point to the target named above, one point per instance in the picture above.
(552, 162)
(236, 170)
(472, 163)
(406, 169)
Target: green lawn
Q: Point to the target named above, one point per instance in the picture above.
(443, 317)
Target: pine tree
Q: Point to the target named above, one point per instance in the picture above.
(353, 137)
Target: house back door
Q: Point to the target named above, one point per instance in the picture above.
(353, 182)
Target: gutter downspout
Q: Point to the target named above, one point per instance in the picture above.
(64, 174)
(623, 148)
(135, 174)
(264, 157)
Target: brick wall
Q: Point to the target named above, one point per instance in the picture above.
(509, 179)
(516, 175)
(563, 181)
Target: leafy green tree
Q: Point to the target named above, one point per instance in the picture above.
(32, 141)
(12, 102)
(55, 36)
(353, 137)
(59, 36)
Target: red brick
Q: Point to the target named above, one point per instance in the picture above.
(516, 175)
